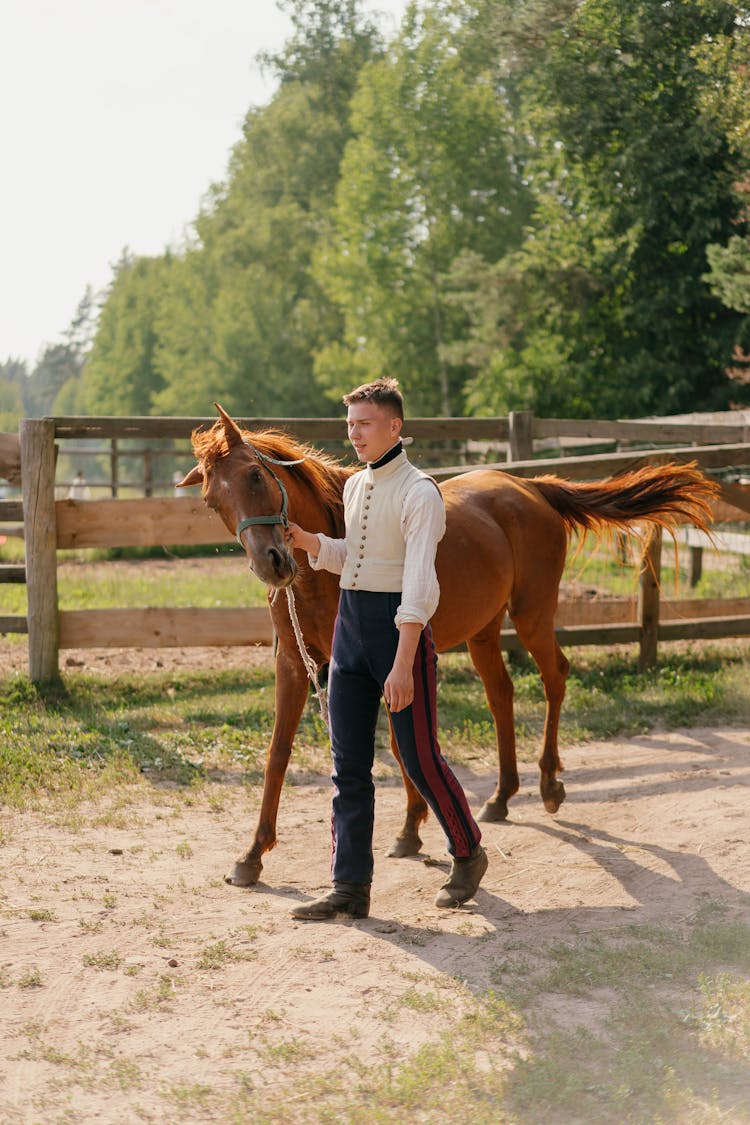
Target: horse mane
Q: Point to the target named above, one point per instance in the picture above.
(322, 474)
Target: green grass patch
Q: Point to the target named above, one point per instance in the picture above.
(85, 583)
(654, 1029)
(87, 736)
(724, 575)
(606, 697)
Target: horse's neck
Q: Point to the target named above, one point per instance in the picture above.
(311, 508)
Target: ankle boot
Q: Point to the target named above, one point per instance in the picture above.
(466, 875)
(345, 898)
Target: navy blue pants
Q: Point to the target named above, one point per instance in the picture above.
(364, 647)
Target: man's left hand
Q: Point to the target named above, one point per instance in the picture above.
(399, 688)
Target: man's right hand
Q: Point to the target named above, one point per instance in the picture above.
(303, 540)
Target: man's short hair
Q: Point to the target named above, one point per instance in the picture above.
(383, 392)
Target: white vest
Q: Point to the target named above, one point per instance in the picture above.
(373, 507)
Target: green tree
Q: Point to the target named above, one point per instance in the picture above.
(632, 181)
(13, 376)
(236, 315)
(244, 315)
(59, 364)
(120, 376)
(433, 170)
(728, 104)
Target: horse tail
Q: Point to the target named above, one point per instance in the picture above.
(663, 494)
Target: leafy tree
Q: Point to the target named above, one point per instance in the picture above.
(632, 181)
(432, 171)
(120, 376)
(728, 104)
(237, 316)
(13, 376)
(730, 271)
(331, 41)
(244, 316)
(59, 364)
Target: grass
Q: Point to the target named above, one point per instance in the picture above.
(86, 581)
(607, 696)
(669, 1043)
(89, 737)
(654, 1029)
(596, 565)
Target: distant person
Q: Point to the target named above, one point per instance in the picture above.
(79, 490)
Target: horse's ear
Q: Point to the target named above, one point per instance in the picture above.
(195, 476)
(232, 432)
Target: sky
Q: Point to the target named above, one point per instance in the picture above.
(116, 116)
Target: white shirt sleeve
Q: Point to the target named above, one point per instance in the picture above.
(423, 526)
(332, 554)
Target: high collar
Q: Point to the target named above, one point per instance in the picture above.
(387, 465)
(389, 455)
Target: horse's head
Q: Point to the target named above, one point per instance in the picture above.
(240, 484)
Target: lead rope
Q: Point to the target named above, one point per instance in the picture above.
(307, 660)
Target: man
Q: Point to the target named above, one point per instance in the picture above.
(382, 646)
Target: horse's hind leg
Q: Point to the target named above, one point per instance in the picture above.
(408, 842)
(486, 656)
(536, 632)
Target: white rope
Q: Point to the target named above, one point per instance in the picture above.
(307, 660)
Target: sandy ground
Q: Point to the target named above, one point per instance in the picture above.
(135, 985)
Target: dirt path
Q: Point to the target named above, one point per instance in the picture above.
(136, 986)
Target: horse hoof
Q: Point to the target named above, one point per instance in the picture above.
(493, 812)
(554, 797)
(407, 844)
(244, 874)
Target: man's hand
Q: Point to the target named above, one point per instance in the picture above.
(398, 689)
(303, 540)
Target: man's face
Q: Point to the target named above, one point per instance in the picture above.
(372, 429)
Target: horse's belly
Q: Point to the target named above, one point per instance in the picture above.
(473, 594)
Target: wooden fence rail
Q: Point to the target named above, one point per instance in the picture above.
(51, 525)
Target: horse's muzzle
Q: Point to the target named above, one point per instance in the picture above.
(276, 567)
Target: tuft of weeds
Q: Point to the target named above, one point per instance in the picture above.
(39, 914)
(31, 978)
(158, 995)
(105, 960)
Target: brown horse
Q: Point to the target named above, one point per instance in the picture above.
(504, 549)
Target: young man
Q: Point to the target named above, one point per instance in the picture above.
(382, 646)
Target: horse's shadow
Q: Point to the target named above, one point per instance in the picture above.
(691, 881)
(666, 888)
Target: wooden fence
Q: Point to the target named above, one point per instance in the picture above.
(51, 524)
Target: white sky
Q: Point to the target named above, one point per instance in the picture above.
(116, 116)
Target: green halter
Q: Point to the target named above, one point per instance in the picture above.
(282, 517)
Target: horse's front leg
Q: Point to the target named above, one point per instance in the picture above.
(290, 698)
(408, 841)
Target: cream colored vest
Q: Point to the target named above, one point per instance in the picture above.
(373, 504)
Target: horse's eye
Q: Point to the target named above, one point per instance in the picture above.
(254, 476)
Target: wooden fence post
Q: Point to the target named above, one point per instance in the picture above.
(648, 600)
(520, 435)
(40, 534)
(114, 468)
(148, 473)
(696, 565)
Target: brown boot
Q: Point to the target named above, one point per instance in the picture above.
(466, 875)
(345, 898)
